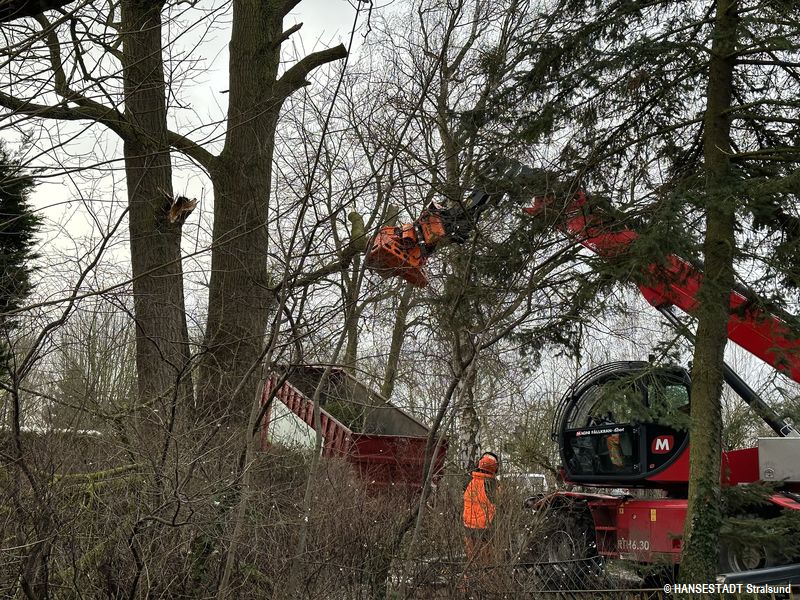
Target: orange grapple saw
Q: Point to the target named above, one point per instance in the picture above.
(403, 250)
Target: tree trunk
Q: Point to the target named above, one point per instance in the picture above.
(350, 281)
(398, 334)
(239, 299)
(469, 423)
(701, 555)
(162, 341)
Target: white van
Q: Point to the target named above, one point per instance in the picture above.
(530, 484)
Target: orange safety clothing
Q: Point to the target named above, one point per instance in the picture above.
(488, 463)
(479, 508)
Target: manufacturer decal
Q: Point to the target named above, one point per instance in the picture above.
(662, 444)
(600, 431)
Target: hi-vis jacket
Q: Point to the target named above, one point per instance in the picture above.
(479, 507)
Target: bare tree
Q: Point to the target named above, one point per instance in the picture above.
(239, 294)
(87, 94)
(468, 51)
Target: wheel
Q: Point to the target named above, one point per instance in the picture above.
(746, 552)
(737, 557)
(559, 550)
(556, 534)
(568, 534)
(563, 545)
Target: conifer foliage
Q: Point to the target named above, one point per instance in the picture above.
(685, 114)
(18, 226)
(620, 90)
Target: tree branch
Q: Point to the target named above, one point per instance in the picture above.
(193, 150)
(108, 117)
(295, 77)
(86, 109)
(342, 262)
(102, 114)
(90, 109)
(288, 33)
(17, 9)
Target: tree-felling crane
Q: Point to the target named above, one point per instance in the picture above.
(624, 424)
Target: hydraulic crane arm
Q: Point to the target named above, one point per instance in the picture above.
(677, 283)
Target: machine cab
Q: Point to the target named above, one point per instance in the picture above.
(623, 422)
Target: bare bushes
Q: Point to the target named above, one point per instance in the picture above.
(348, 530)
(439, 565)
(100, 523)
(96, 525)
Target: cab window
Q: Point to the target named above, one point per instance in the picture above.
(668, 404)
(618, 401)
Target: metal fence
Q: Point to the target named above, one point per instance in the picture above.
(582, 579)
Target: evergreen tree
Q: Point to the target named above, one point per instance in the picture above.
(18, 226)
(685, 114)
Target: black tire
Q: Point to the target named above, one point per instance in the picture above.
(738, 557)
(559, 551)
(567, 540)
(557, 534)
(741, 554)
(568, 534)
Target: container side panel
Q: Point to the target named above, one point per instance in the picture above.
(392, 460)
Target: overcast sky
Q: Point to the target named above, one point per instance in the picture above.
(203, 99)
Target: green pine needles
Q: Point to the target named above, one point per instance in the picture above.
(18, 227)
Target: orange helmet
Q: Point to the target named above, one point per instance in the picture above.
(488, 462)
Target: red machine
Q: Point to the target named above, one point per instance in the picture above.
(604, 439)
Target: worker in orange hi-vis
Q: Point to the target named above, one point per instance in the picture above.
(479, 513)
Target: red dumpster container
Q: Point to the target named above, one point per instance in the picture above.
(385, 444)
